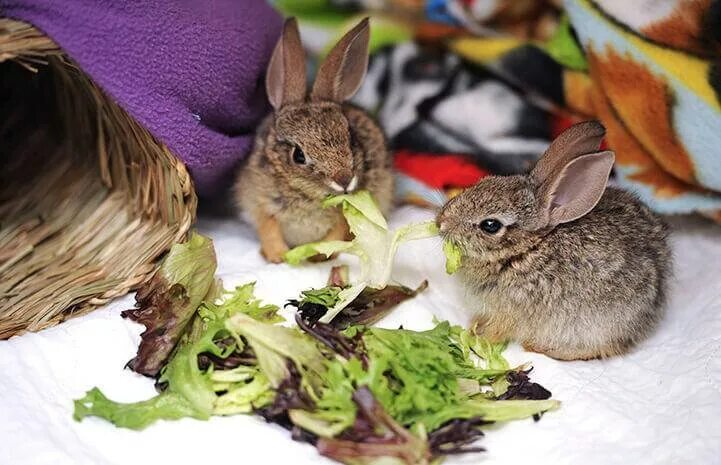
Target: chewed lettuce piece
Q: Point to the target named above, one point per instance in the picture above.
(305, 251)
(407, 233)
(373, 243)
(453, 256)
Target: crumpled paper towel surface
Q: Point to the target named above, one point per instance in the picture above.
(660, 404)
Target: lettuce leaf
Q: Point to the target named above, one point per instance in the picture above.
(326, 296)
(167, 303)
(135, 415)
(380, 438)
(303, 252)
(373, 304)
(191, 390)
(362, 395)
(345, 297)
(274, 345)
(454, 256)
(363, 205)
(372, 243)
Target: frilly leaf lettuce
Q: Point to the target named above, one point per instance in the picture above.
(326, 296)
(345, 297)
(244, 397)
(189, 389)
(362, 395)
(274, 345)
(167, 303)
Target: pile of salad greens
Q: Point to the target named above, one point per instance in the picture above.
(360, 394)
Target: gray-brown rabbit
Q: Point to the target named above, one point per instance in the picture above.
(313, 145)
(557, 261)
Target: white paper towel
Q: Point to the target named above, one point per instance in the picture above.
(660, 404)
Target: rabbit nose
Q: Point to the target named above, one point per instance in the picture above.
(344, 183)
(343, 179)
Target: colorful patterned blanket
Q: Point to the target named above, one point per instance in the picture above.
(487, 83)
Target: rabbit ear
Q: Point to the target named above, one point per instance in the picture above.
(579, 139)
(576, 188)
(285, 79)
(343, 70)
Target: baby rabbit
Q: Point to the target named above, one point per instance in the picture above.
(313, 145)
(554, 262)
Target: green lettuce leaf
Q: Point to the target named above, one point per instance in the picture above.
(453, 255)
(345, 297)
(189, 389)
(303, 252)
(244, 397)
(325, 296)
(274, 345)
(373, 243)
(488, 410)
(135, 415)
(363, 206)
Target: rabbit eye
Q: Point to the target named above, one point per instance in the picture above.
(491, 225)
(298, 155)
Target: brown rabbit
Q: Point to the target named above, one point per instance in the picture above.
(555, 263)
(313, 145)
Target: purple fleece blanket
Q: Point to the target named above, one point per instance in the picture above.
(190, 71)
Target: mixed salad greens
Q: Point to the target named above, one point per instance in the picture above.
(360, 394)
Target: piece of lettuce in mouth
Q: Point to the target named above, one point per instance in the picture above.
(373, 243)
(454, 256)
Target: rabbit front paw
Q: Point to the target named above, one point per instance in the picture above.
(273, 252)
(490, 329)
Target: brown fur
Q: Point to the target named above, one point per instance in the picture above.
(585, 288)
(340, 141)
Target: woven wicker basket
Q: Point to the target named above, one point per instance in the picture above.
(89, 200)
